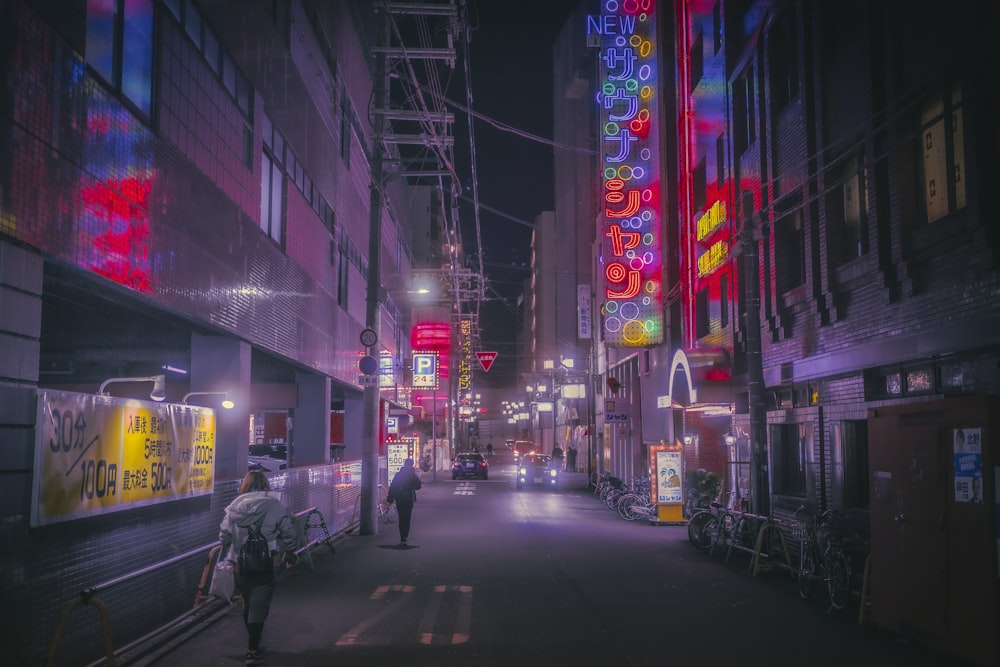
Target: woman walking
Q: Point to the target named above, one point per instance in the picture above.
(403, 491)
(256, 509)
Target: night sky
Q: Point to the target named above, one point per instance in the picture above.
(511, 61)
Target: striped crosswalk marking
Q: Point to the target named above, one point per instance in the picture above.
(460, 635)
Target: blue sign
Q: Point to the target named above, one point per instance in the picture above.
(425, 370)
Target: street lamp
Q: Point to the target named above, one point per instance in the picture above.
(226, 403)
(159, 385)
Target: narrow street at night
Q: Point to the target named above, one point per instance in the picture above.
(498, 576)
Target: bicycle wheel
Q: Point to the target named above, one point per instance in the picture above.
(388, 514)
(807, 572)
(696, 529)
(839, 582)
(713, 529)
(744, 535)
(641, 509)
(623, 505)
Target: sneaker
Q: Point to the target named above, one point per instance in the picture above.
(254, 658)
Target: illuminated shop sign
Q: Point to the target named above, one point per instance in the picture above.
(711, 220)
(465, 354)
(98, 454)
(713, 258)
(717, 254)
(386, 370)
(632, 248)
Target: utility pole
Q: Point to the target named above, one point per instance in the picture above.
(371, 399)
(759, 487)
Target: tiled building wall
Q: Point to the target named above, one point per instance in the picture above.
(45, 569)
(178, 205)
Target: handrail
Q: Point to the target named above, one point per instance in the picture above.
(149, 568)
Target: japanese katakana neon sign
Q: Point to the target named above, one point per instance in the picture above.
(631, 255)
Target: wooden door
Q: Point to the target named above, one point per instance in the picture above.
(908, 522)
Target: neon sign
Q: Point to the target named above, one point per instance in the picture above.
(632, 248)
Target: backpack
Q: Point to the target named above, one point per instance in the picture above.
(255, 556)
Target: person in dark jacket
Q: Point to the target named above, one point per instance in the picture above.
(255, 504)
(403, 492)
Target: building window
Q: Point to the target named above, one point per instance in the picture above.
(702, 326)
(699, 186)
(849, 463)
(208, 43)
(846, 211)
(697, 61)
(942, 155)
(343, 269)
(720, 161)
(717, 26)
(789, 252)
(345, 130)
(271, 198)
(120, 47)
(744, 116)
(789, 443)
(724, 301)
(784, 62)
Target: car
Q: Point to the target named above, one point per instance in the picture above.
(470, 464)
(537, 469)
(267, 458)
(522, 447)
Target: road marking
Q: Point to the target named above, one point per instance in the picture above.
(465, 489)
(382, 590)
(460, 634)
(351, 637)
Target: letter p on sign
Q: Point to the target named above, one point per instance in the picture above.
(424, 369)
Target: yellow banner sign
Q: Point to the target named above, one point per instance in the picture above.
(97, 454)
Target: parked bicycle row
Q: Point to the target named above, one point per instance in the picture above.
(631, 500)
(814, 547)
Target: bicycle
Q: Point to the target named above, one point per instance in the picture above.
(386, 511)
(822, 557)
(698, 525)
(637, 504)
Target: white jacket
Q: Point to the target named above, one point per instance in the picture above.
(248, 509)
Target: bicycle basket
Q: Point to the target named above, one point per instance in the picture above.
(800, 529)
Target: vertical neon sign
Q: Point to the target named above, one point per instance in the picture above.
(630, 221)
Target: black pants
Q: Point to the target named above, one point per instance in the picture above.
(257, 591)
(405, 514)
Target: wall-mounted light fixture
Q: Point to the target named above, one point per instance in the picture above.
(226, 403)
(159, 385)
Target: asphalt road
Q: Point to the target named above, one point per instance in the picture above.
(497, 576)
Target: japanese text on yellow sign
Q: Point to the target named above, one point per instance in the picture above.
(96, 454)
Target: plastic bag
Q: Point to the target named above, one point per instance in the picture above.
(223, 582)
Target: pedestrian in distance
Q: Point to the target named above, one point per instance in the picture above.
(489, 450)
(255, 508)
(403, 492)
(571, 459)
